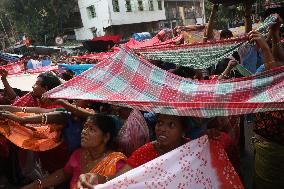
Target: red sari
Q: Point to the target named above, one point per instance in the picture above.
(145, 154)
(142, 155)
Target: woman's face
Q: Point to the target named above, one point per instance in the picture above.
(38, 90)
(169, 130)
(92, 136)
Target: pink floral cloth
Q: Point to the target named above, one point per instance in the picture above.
(134, 133)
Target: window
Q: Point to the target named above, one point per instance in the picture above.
(115, 5)
(91, 12)
(128, 6)
(140, 5)
(160, 7)
(151, 5)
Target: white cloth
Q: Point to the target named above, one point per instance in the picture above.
(197, 164)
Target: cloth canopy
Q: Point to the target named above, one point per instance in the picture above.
(198, 164)
(14, 68)
(128, 80)
(97, 56)
(200, 55)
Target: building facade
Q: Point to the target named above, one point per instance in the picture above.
(184, 12)
(119, 17)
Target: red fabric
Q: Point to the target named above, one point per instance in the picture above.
(231, 149)
(43, 69)
(142, 155)
(14, 68)
(132, 43)
(225, 171)
(73, 167)
(115, 38)
(163, 92)
(98, 56)
(29, 101)
(213, 77)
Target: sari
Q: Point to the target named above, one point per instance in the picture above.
(134, 133)
(34, 137)
(108, 166)
(48, 161)
(144, 154)
(269, 150)
(269, 165)
(29, 101)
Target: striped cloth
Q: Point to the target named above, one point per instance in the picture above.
(128, 80)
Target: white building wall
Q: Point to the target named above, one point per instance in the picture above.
(105, 16)
(136, 16)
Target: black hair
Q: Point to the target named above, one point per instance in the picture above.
(185, 72)
(226, 34)
(222, 65)
(183, 120)
(67, 75)
(18, 92)
(106, 124)
(49, 80)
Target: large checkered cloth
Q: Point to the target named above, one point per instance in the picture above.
(128, 80)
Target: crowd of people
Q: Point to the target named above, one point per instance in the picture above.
(89, 143)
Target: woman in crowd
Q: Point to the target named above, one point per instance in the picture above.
(269, 126)
(134, 132)
(170, 132)
(45, 82)
(96, 155)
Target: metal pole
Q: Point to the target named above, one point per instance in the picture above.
(203, 10)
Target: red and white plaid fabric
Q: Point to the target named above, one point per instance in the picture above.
(43, 69)
(128, 80)
(14, 68)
